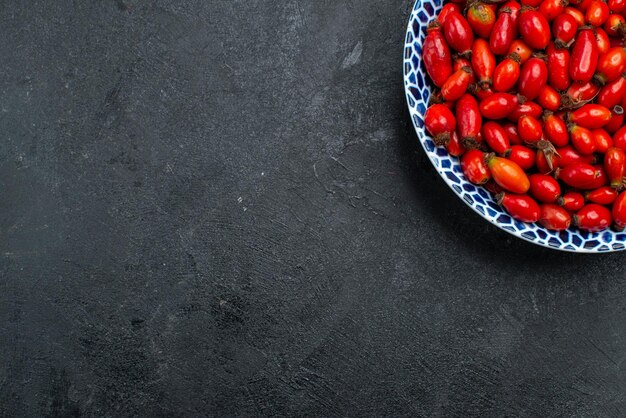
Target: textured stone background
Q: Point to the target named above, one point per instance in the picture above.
(218, 207)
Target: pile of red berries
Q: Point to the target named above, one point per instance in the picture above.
(531, 97)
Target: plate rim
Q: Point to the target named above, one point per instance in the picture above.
(432, 157)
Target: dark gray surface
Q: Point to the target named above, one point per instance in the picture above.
(219, 207)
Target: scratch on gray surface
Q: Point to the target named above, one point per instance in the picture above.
(353, 57)
(320, 181)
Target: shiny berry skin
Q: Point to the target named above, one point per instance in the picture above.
(511, 133)
(507, 73)
(440, 123)
(619, 138)
(616, 6)
(564, 29)
(576, 14)
(544, 188)
(447, 9)
(483, 61)
(503, 33)
(468, 120)
(533, 76)
(508, 174)
(593, 218)
(615, 166)
(602, 139)
(572, 201)
(534, 29)
(612, 93)
(591, 116)
(495, 136)
(617, 119)
(436, 55)
(614, 25)
(521, 49)
(604, 195)
(549, 98)
(597, 13)
(546, 162)
(550, 9)
(603, 41)
(457, 84)
(454, 147)
(555, 130)
(522, 156)
(619, 210)
(529, 129)
(458, 33)
(498, 105)
(582, 140)
(568, 155)
(610, 65)
(520, 207)
(578, 175)
(558, 67)
(578, 93)
(527, 108)
(554, 217)
(474, 167)
(481, 18)
(584, 56)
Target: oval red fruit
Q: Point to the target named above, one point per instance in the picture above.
(579, 175)
(440, 123)
(555, 130)
(584, 57)
(544, 188)
(564, 29)
(533, 76)
(522, 156)
(458, 33)
(534, 29)
(483, 61)
(469, 121)
(615, 166)
(498, 105)
(619, 211)
(457, 84)
(597, 13)
(593, 218)
(495, 136)
(591, 116)
(481, 18)
(549, 98)
(554, 218)
(507, 174)
(503, 32)
(558, 67)
(507, 73)
(572, 201)
(520, 207)
(602, 139)
(604, 195)
(582, 140)
(529, 129)
(474, 167)
(436, 55)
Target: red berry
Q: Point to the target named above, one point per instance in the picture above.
(554, 217)
(474, 167)
(593, 218)
(520, 207)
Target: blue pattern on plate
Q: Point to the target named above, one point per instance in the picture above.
(417, 94)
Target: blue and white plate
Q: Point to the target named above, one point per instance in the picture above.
(417, 87)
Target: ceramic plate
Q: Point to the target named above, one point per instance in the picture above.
(417, 89)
